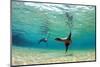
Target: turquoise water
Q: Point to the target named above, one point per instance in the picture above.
(33, 21)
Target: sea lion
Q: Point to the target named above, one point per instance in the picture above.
(43, 40)
(67, 41)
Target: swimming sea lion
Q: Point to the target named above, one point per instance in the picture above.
(67, 41)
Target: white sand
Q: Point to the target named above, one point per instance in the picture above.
(41, 56)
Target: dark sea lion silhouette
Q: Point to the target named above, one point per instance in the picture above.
(45, 40)
(70, 17)
(66, 41)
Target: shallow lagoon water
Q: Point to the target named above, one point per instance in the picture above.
(30, 20)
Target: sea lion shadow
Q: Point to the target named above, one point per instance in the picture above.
(69, 55)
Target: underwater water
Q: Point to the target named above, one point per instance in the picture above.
(33, 21)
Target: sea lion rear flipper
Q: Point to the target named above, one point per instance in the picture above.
(66, 46)
(41, 40)
(69, 37)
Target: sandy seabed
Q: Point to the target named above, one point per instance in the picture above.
(42, 56)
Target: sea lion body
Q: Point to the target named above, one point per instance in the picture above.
(66, 41)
